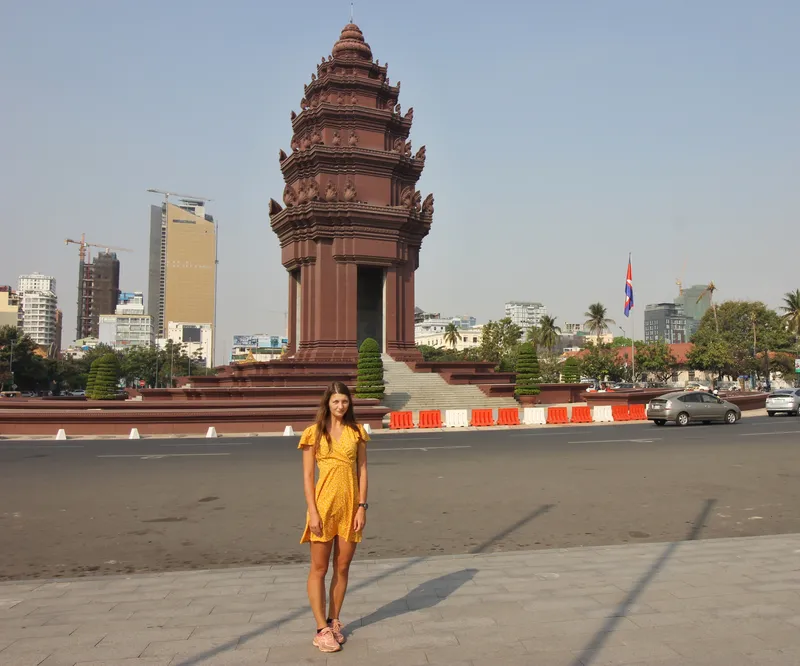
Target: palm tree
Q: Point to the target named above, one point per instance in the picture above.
(596, 321)
(548, 331)
(791, 311)
(534, 336)
(451, 335)
(710, 289)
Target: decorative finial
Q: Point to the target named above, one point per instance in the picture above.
(351, 12)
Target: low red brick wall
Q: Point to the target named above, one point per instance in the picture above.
(555, 394)
(451, 366)
(745, 401)
(168, 421)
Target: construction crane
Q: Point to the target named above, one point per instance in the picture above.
(679, 281)
(82, 251)
(187, 197)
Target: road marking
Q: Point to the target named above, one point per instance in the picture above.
(773, 432)
(422, 448)
(611, 441)
(35, 446)
(156, 456)
(185, 444)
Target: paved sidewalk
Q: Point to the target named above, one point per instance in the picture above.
(725, 602)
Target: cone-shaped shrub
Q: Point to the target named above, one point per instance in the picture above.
(571, 373)
(106, 378)
(369, 383)
(528, 375)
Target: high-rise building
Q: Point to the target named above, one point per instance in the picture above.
(98, 292)
(182, 265)
(695, 302)
(10, 313)
(525, 314)
(129, 326)
(664, 321)
(39, 305)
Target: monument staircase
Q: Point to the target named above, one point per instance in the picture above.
(407, 390)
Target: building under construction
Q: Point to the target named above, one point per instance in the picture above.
(98, 293)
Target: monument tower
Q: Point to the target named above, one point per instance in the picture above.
(353, 221)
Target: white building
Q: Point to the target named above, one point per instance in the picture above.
(470, 337)
(129, 326)
(525, 314)
(258, 347)
(39, 303)
(195, 338)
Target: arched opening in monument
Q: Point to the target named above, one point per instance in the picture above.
(370, 304)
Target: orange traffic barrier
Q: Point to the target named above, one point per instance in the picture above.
(430, 418)
(620, 413)
(401, 420)
(481, 417)
(557, 415)
(638, 413)
(581, 415)
(508, 416)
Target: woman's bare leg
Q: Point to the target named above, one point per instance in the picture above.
(320, 556)
(343, 553)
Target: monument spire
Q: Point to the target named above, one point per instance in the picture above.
(351, 12)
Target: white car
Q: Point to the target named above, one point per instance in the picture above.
(785, 401)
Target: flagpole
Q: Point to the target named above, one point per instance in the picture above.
(633, 341)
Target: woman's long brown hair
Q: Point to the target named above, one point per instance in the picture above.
(324, 414)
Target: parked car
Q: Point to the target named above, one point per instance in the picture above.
(697, 386)
(784, 401)
(685, 407)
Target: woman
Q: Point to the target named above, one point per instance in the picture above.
(337, 506)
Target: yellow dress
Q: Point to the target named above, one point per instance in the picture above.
(337, 487)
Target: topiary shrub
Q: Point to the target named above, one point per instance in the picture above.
(369, 382)
(103, 378)
(571, 373)
(528, 375)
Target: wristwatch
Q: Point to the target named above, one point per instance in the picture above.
(364, 504)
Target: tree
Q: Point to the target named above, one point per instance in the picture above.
(596, 321)
(571, 373)
(527, 371)
(498, 339)
(533, 336)
(439, 354)
(549, 366)
(710, 289)
(600, 361)
(791, 312)
(657, 359)
(369, 381)
(734, 323)
(714, 356)
(548, 332)
(452, 335)
(620, 341)
(20, 364)
(104, 378)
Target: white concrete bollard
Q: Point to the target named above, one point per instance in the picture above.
(134, 434)
(534, 416)
(62, 435)
(212, 432)
(368, 428)
(288, 431)
(456, 418)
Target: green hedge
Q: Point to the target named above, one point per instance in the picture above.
(369, 381)
(528, 374)
(103, 378)
(571, 374)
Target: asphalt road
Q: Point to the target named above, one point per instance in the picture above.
(78, 507)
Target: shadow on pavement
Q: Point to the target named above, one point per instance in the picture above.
(438, 586)
(426, 595)
(592, 649)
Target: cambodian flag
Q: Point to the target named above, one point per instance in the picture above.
(628, 290)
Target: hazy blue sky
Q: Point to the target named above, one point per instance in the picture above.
(561, 135)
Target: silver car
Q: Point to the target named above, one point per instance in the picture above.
(784, 400)
(684, 407)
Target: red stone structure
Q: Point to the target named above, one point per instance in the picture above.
(353, 221)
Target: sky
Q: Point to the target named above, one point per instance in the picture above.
(561, 136)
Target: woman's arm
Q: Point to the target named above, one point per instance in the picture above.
(361, 462)
(314, 521)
